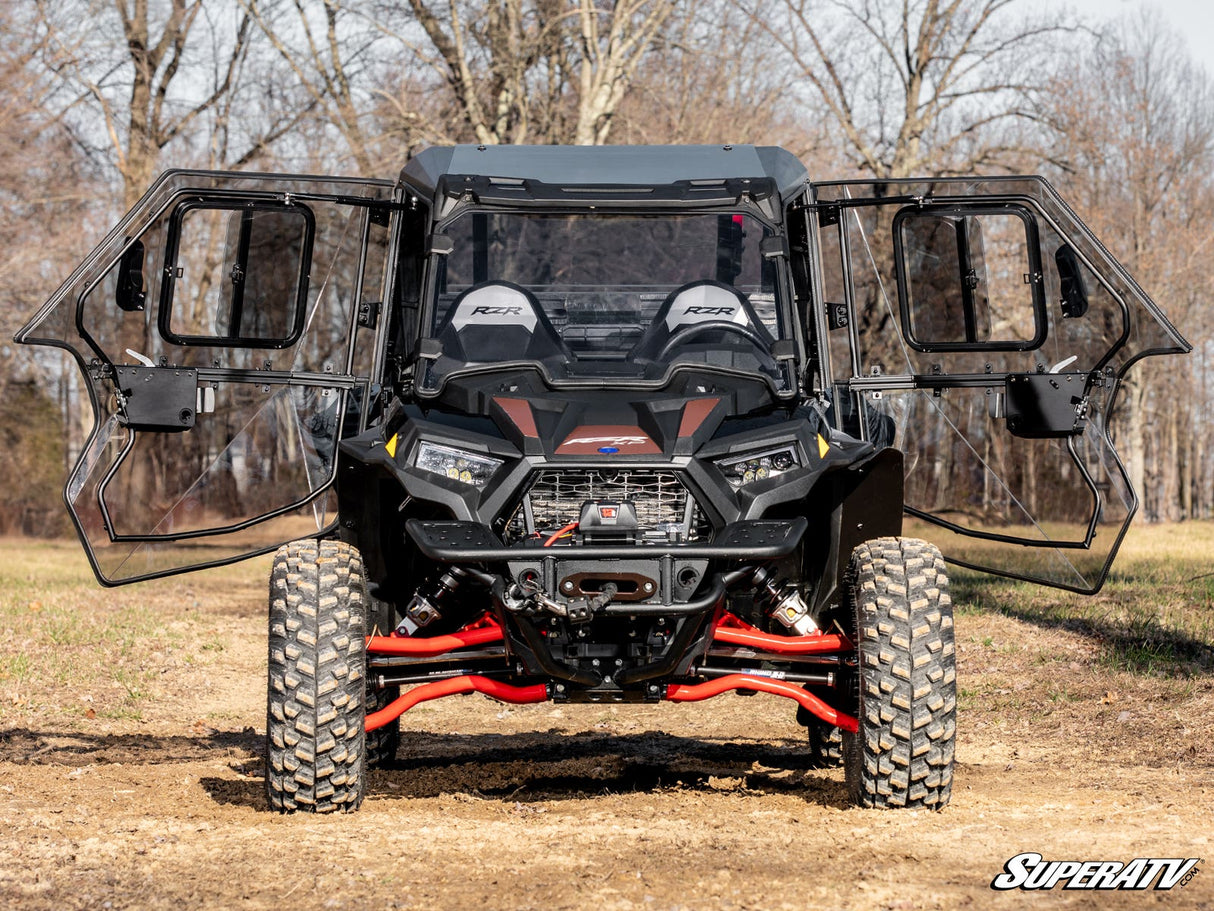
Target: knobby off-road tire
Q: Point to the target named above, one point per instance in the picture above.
(382, 742)
(315, 713)
(825, 745)
(825, 740)
(902, 755)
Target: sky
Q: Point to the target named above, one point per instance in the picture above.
(1192, 19)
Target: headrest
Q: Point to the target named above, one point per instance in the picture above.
(706, 302)
(494, 304)
(499, 321)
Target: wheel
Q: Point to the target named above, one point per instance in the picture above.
(825, 740)
(382, 742)
(825, 745)
(315, 709)
(906, 679)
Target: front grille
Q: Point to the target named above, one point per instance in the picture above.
(665, 510)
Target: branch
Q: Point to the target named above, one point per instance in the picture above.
(238, 51)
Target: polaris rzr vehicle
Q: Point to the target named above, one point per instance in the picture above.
(614, 425)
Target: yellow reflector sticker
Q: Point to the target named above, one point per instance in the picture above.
(823, 447)
(391, 444)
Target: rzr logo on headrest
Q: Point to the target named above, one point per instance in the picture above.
(709, 311)
(497, 311)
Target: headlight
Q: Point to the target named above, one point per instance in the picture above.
(759, 466)
(456, 464)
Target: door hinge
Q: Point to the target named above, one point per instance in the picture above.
(368, 314)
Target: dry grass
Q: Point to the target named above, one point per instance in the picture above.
(1155, 614)
(1075, 678)
(73, 651)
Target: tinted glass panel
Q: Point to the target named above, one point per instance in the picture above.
(239, 276)
(969, 280)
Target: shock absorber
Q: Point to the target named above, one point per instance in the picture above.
(423, 608)
(784, 601)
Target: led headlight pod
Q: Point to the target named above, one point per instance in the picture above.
(758, 466)
(456, 464)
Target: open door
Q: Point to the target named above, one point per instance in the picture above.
(215, 328)
(980, 327)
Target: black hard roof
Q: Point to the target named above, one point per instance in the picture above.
(606, 166)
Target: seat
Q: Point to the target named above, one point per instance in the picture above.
(499, 321)
(704, 303)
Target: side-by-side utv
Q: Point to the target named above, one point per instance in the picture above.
(616, 424)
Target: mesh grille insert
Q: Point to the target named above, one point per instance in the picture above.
(665, 511)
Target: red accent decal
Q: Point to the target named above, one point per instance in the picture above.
(519, 411)
(682, 692)
(455, 685)
(590, 439)
(694, 413)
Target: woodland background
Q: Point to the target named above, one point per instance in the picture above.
(98, 96)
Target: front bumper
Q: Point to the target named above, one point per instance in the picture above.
(473, 542)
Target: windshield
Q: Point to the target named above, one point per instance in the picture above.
(606, 296)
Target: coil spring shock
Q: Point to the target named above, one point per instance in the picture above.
(784, 601)
(424, 607)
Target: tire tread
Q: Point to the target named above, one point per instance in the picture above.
(315, 706)
(902, 756)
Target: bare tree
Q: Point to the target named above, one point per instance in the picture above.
(44, 186)
(1134, 147)
(326, 48)
(702, 83)
(535, 70)
(177, 67)
(613, 39)
(485, 55)
(43, 180)
(917, 86)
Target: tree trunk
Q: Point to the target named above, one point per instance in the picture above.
(1134, 448)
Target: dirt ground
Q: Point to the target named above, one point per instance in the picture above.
(130, 777)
